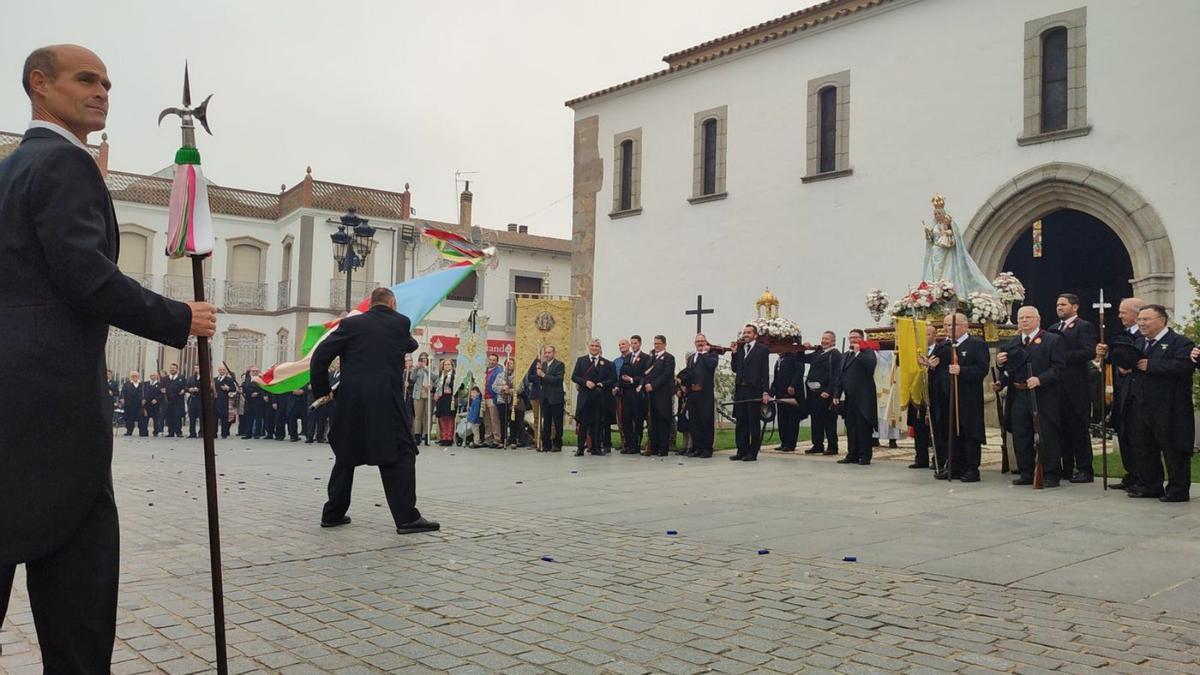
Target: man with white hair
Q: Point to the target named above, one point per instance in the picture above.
(593, 376)
(1033, 362)
(1127, 312)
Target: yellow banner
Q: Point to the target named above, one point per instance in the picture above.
(910, 345)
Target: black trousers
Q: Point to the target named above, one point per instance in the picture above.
(823, 420)
(552, 425)
(701, 420)
(399, 485)
(1151, 442)
(661, 427)
(922, 438)
(175, 419)
(1022, 431)
(516, 431)
(133, 418)
(748, 432)
(223, 422)
(787, 417)
(1128, 451)
(633, 418)
(73, 593)
(858, 436)
(592, 425)
(503, 411)
(1076, 438)
(964, 452)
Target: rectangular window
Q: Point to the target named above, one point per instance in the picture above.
(827, 128)
(710, 157)
(522, 284)
(1054, 80)
(710, 145)
(626, 175)
(828, 107)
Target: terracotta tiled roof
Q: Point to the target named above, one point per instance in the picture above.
(505, 238)
(747, 38)
(9, 142)
(132, 187)
(370, 202)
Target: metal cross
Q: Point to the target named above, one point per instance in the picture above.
(699, 312)
(1101, 306)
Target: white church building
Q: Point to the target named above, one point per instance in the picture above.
(272, 272)
(801, 154)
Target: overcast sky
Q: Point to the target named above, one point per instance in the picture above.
(371, 93)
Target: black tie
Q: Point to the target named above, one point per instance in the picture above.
(1149, 346)
(593, 362)
(1026, 340)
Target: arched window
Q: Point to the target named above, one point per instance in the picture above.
(709, 161)
(626, 175)
(827, 106)
(1054, 79)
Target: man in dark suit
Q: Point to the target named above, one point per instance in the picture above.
(1161, 408)
(918, 413)
(152, 400)
(225, 388)
(174, 386)
(60, 289)
(633, 402)
(658, 384)
(193, 401)
(550, 373)
(825, 365)
(593, 375)
(1079, 345)
(788, 383)
(371, 425)
(854, 396)
(114, 393)
(1032, 364)
(752, 386)
(701, 367)
(133, 404)
(958, 421)
(1119, 419)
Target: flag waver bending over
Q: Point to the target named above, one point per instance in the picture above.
(415, 299)
(189, 229)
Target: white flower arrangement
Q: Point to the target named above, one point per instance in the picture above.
(903, 306)
(943, 291)
(1009, 287)
(778, 328)
(985, 307)
(877, 303)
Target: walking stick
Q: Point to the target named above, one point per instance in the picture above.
(1101, 306)
(1038, 474)
(188, 180)
(1004, 467)
(952, 430)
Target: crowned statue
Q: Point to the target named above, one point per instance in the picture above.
(945, 257)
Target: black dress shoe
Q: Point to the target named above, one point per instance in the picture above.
(418, 525)
(707, 454)
(1173, 498)
(970, 477)
(787, 449)
(735, 458)
(345, 520)
(750, 459)
(941, 475)
(579, 452)
(918, 465)
(1142, 493)
(864, 462)
(847, 460)
(814, 451)
(1083, 477)
(1052, 483)
(829, 453)
(892, 443)
(1023, 480)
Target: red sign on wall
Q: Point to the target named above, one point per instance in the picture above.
(445, 344)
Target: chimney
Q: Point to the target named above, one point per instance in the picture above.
(102, 160)
(464, 206)
(405, 204)
(512, 227)
(523, 229)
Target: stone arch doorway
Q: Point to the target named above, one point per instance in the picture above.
(1105, 201)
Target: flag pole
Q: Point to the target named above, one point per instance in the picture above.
(189, 203)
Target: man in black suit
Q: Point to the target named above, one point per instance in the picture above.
(60, 289)
(701, 367)
(226, 390)
(918, 414)
(193, 401)
(1032, 365)
(788, 383)
(658, 384)
(593, 376)
(1079, 345)
(854, 396)
(152, 400)
(134, 405)
(825, 365)
(1161, 408)
(174, 386)
(633, 402)
(958, 420)
(1119, 419)
(752, 386)
(371, 425)
(550, 373)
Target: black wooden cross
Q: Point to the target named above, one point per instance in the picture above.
(699, 312)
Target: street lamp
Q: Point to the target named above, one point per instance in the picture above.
(351, 245)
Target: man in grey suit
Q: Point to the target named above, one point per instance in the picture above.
(60, 289)
(550, 373)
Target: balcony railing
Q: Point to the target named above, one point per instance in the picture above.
(358, 291)
(180, 287)
(245, 295)
(146, 280)
(283, 296)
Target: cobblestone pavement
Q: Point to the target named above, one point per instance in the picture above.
(619, 594)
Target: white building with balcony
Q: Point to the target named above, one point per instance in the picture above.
(272, 272)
